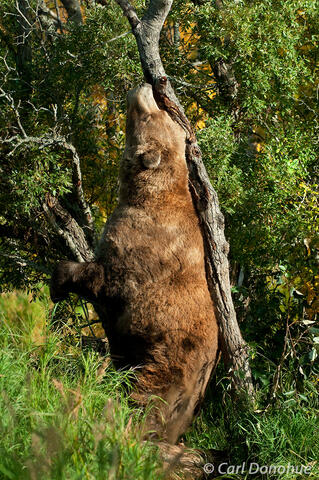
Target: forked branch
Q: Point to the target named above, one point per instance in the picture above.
(80, 239)
(147, 33)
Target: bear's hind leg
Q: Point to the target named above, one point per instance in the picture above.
(173, 398)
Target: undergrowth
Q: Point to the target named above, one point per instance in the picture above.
(64, 412)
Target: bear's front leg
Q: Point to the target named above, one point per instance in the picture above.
(85, 279)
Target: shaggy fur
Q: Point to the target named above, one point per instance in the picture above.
(149, 284)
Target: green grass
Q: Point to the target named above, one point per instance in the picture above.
(276, 437)
(64, 412)
(286, 433)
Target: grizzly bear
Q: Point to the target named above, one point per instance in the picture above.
(148, 284)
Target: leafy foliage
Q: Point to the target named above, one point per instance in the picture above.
(258, 130)
(247, 75)
(77, 83)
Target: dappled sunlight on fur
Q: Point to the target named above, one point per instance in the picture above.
(148, 284)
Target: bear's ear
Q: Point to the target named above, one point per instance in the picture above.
(151, 158)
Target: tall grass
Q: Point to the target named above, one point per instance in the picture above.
(64, 412)
(284, 434)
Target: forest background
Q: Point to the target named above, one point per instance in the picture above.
(246, 74)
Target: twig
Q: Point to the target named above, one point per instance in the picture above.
(14, 108)
(90, 323)
(58, 15)
(86, 313)
(24, 262)
(118, 36)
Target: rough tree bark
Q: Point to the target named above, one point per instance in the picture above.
(68, 228)
(147, 33)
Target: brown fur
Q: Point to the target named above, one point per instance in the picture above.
(152, 295)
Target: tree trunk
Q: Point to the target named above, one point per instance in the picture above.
(235, 351)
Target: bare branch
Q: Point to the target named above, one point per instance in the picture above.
(49, 141)
(129, 12)
(53, 140)
(70, 230)
(118, 36)
(77, 182)
(15, 108)
(25, 262)
(58, 15)
(24, 48)
(23, 8)
(147, 33)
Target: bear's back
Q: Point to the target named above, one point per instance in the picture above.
(155, 254)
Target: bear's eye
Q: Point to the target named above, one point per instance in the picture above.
(146, 118)
(151, 159)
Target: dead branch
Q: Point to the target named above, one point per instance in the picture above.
(24, 262)
(67, 227)
(78, 239)
(49, 21)
(52, 140)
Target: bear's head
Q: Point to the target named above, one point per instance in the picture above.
(153, 163)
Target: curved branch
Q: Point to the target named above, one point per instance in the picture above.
(147, 33)
(77, 183)
(65, 225)
(51, 141)
(129, 12)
